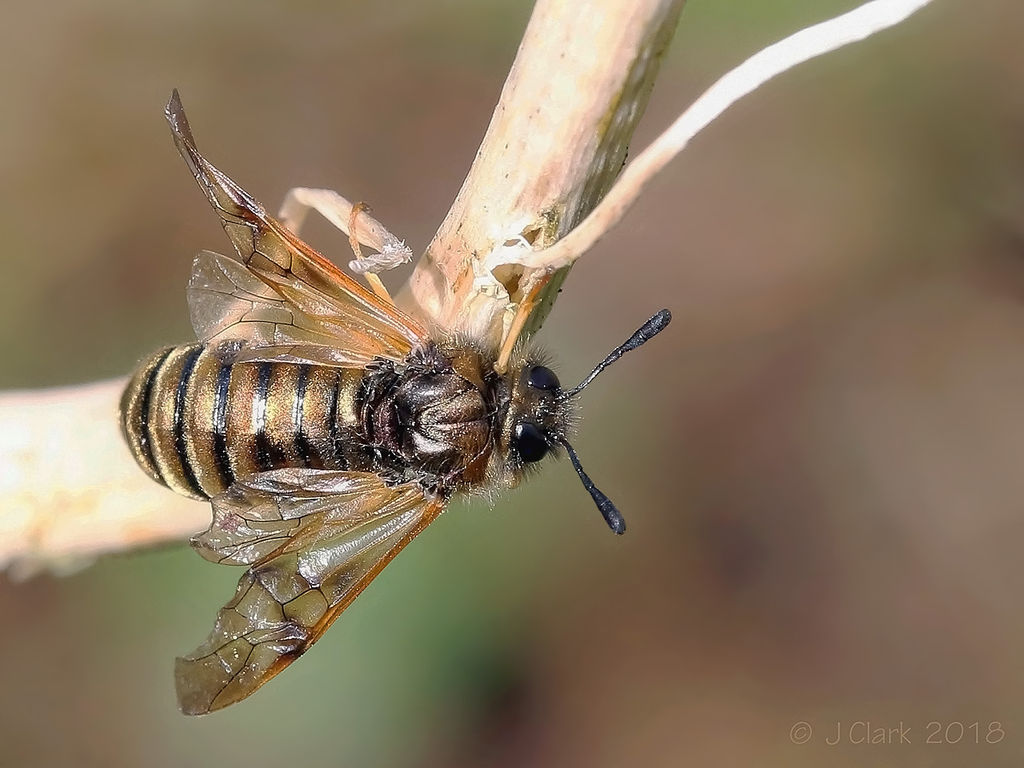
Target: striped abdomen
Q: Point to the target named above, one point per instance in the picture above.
(195, 423)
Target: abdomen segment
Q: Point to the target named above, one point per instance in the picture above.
(195, 423)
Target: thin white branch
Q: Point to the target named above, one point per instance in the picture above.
(851, 27)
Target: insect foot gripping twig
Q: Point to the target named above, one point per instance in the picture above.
(368, 267)
(391, 251)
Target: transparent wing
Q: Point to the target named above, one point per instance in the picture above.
(279, 295)
(230, 304)
(265, 513)
(315, 539)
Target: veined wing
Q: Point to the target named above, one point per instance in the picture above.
(281, 296)
(315, 539)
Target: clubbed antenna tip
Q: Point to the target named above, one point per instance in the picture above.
(643, 334)
(609, 511)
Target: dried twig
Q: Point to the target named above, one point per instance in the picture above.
(70, 488)
(555, 145)
(530, 206)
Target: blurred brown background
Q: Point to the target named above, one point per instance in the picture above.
(821, 462)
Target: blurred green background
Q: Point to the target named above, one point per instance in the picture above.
(820, 461)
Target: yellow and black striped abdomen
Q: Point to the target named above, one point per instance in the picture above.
(195, 423)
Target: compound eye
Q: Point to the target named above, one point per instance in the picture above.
(542, 377)
(529, 442)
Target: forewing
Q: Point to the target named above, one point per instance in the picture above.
(316, 540)
(302, 300)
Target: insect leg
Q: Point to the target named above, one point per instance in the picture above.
(526, 306)
(356, 223)
(353, 241)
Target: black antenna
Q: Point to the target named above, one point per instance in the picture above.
(644, 333)
(612, 516)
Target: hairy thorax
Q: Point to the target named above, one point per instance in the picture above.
(432, 418)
